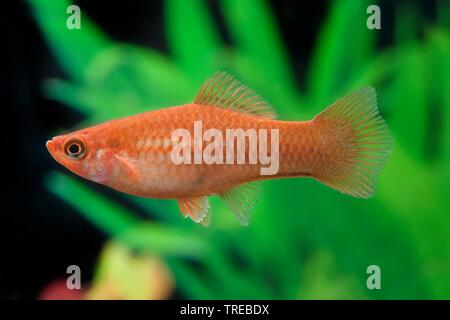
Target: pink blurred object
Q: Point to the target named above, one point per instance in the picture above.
(57, 290)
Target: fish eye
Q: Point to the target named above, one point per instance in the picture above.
(75, 149)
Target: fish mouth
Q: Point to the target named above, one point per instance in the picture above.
(51, 146)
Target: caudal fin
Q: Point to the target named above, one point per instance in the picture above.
(361, 143)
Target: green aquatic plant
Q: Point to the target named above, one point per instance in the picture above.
(304, 241)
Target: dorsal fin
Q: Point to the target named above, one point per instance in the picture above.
(242, 199)
(224, 91)
(197, 208)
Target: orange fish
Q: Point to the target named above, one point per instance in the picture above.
(344, 147)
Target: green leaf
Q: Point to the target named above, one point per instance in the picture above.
(344, 47)
(193, 39)
(257, 39)
(407, 23)
(191, 284)
(74, 49)
(443, 14)
(124, 80)
(439, 70)
(410, 92)
(101, 211)
(164, 240)
(120, 223)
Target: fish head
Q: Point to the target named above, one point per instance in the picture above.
(82, 153)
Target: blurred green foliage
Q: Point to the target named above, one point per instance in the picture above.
(304, 240)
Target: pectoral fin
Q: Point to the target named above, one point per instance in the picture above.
(241, 200)
(197, 208)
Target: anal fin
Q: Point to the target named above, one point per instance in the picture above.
(242, 199)
(197, 208)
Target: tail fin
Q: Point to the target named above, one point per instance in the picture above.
(362, 143)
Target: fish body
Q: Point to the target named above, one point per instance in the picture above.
(344, 147)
